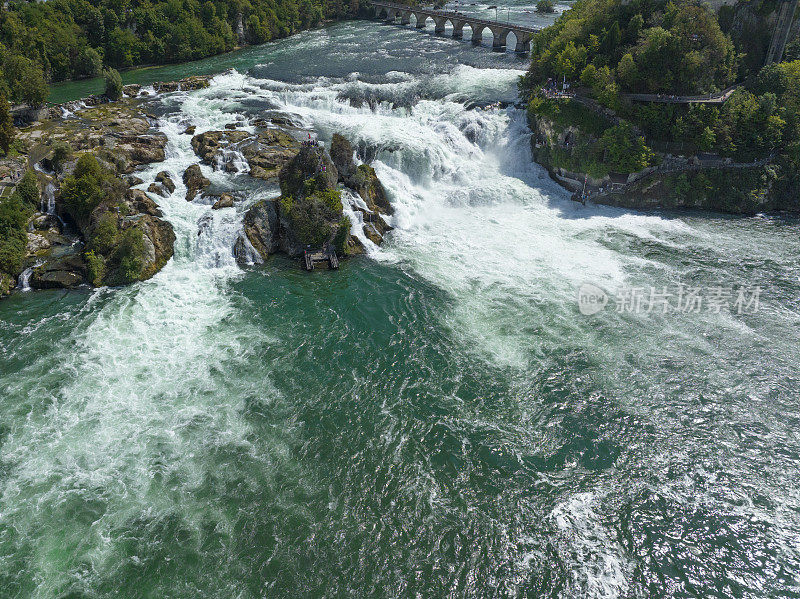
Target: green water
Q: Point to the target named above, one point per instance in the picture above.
(434, 419)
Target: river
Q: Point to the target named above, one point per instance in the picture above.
(438, 418)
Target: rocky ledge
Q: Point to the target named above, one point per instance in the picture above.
(265, 152)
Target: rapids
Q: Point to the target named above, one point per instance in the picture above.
(435, 419)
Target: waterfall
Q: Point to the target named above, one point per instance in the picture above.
(49, 199)
(231, 160)
(24, 280)
(23, 283)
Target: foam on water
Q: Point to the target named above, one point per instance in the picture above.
(473, 213)
(477, 443)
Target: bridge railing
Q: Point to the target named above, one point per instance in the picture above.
(432, 12)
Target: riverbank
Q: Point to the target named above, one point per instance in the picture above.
(568, 137)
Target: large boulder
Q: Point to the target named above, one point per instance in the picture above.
(64, 272)
(195, 181)
(342, 156)
(225, 201)
(262, 228)
(165, 180)
(364, 181)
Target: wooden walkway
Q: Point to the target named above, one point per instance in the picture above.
(326, 254)
(718, 98)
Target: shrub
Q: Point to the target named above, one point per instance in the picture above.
(62, 152)
(96, 266)
(104, 233)
(128, 255)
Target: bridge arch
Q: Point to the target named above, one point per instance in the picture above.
(477, 32)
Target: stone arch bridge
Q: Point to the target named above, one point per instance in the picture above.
(389, 11)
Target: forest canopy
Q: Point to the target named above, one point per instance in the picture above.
(59, 40)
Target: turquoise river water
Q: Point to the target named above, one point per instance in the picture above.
(435, 419)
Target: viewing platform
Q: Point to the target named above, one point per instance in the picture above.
(326, 254)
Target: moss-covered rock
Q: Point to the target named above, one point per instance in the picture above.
(126, 238)
(308, 213)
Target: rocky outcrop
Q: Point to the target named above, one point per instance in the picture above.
(342, 156)
(733, 190)
(195, 181)
(209, 145)
(308, 213)
(363, 180)
(123, 238)
(269, 152)
(128, 239)
(62, 272)
(132, 90)
(187, 84)
(265, 152)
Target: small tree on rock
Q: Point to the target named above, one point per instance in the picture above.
(113, 84)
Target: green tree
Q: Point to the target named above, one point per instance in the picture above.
(623, 150)
(88, 63)
(627, 72)
(113, 83)
(28, 189)
(27, 83)
(7, 130)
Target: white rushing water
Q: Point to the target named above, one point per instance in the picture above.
(148, 420)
